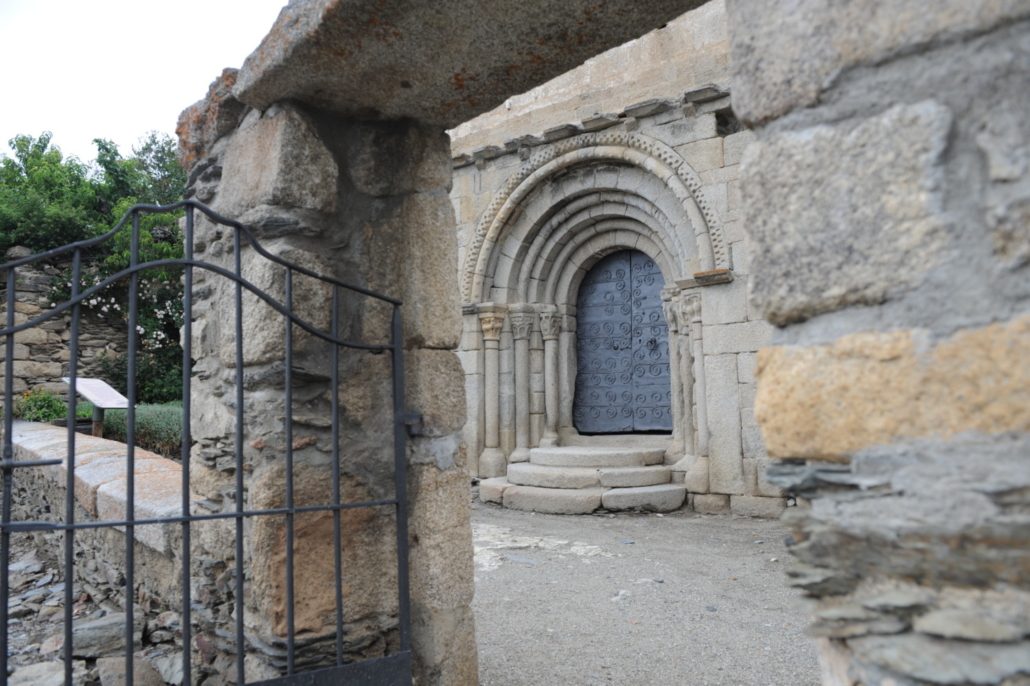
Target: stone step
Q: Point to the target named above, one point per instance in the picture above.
(529, 474)
(592, 456)
(553, 500)
(664, 498)
(624, 477)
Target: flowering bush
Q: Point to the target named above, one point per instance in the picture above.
(159, 305)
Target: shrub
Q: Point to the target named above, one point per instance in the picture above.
(39, 405)
(158, 428)
(158, 374)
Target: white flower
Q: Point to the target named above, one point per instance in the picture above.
(139, 330)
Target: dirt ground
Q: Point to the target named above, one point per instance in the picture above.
(636, 599)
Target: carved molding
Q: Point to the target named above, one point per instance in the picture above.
(500, 210)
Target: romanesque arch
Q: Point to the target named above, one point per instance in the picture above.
(569, 205)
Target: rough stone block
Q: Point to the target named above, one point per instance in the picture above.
(264, 328)
(390, 159)
(687, 129)
(809, 257)
(733, 146)
(158, 494)
(757, 506)
(277, 160)
(553, 500)
(528, 474)
(660, 498)
(724, 303)
(492, 490)
(435, 388)
(785, 55)
(625, 477)
(736, 338)
(747, 367)
(711, 503)
(702, 155)
(828, 401)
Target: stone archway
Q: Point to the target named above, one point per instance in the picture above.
(568, 206)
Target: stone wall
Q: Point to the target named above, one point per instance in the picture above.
(690, 51)
(41, 353)
(886, 201)
(100, 493)
(661, 176)
(365, 203)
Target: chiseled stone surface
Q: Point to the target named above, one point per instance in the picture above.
(786, 55)
(710, 503)
(266, 157)
(829, 401)
(757, 506)
(803, 204)
(443, 63)
(884, 525)
(661, 498)
(553, 500)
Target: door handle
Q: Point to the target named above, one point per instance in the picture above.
(652, 344)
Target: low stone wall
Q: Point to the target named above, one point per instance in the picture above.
(41, 353)
(101, 495)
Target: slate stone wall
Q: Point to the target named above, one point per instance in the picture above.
(886, 202)
(41, 353)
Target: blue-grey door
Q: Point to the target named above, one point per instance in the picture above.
(622, 378)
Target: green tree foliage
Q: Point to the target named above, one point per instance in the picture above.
(47, 201)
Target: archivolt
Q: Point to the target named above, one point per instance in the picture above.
(620, 146)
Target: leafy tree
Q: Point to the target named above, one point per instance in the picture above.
(46, 200)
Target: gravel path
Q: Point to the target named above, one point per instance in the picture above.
(635, 600)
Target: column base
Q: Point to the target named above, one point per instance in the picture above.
(492, 463)
(519, 455)
(549, 440)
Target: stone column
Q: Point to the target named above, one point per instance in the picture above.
(676, 381)
(550, 327)
(690, 311)
(491, 462)
(522, 320)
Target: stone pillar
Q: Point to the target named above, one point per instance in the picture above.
(491, 462)
(676, 382)
(550, 328)
(691, 312)
(367, 203)
(522, 319)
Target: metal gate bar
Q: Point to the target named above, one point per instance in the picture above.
(394, 669)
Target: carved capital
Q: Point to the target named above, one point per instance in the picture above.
(550, 325)
(688, 310)
(491, 323)
(522, 324)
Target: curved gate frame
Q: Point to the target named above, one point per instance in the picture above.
(393, 669)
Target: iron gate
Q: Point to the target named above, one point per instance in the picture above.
(395, 668)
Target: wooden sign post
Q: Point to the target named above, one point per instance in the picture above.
(102, 396)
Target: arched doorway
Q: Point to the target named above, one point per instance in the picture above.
(622, 379)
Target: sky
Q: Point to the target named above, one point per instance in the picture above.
(116, 69)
